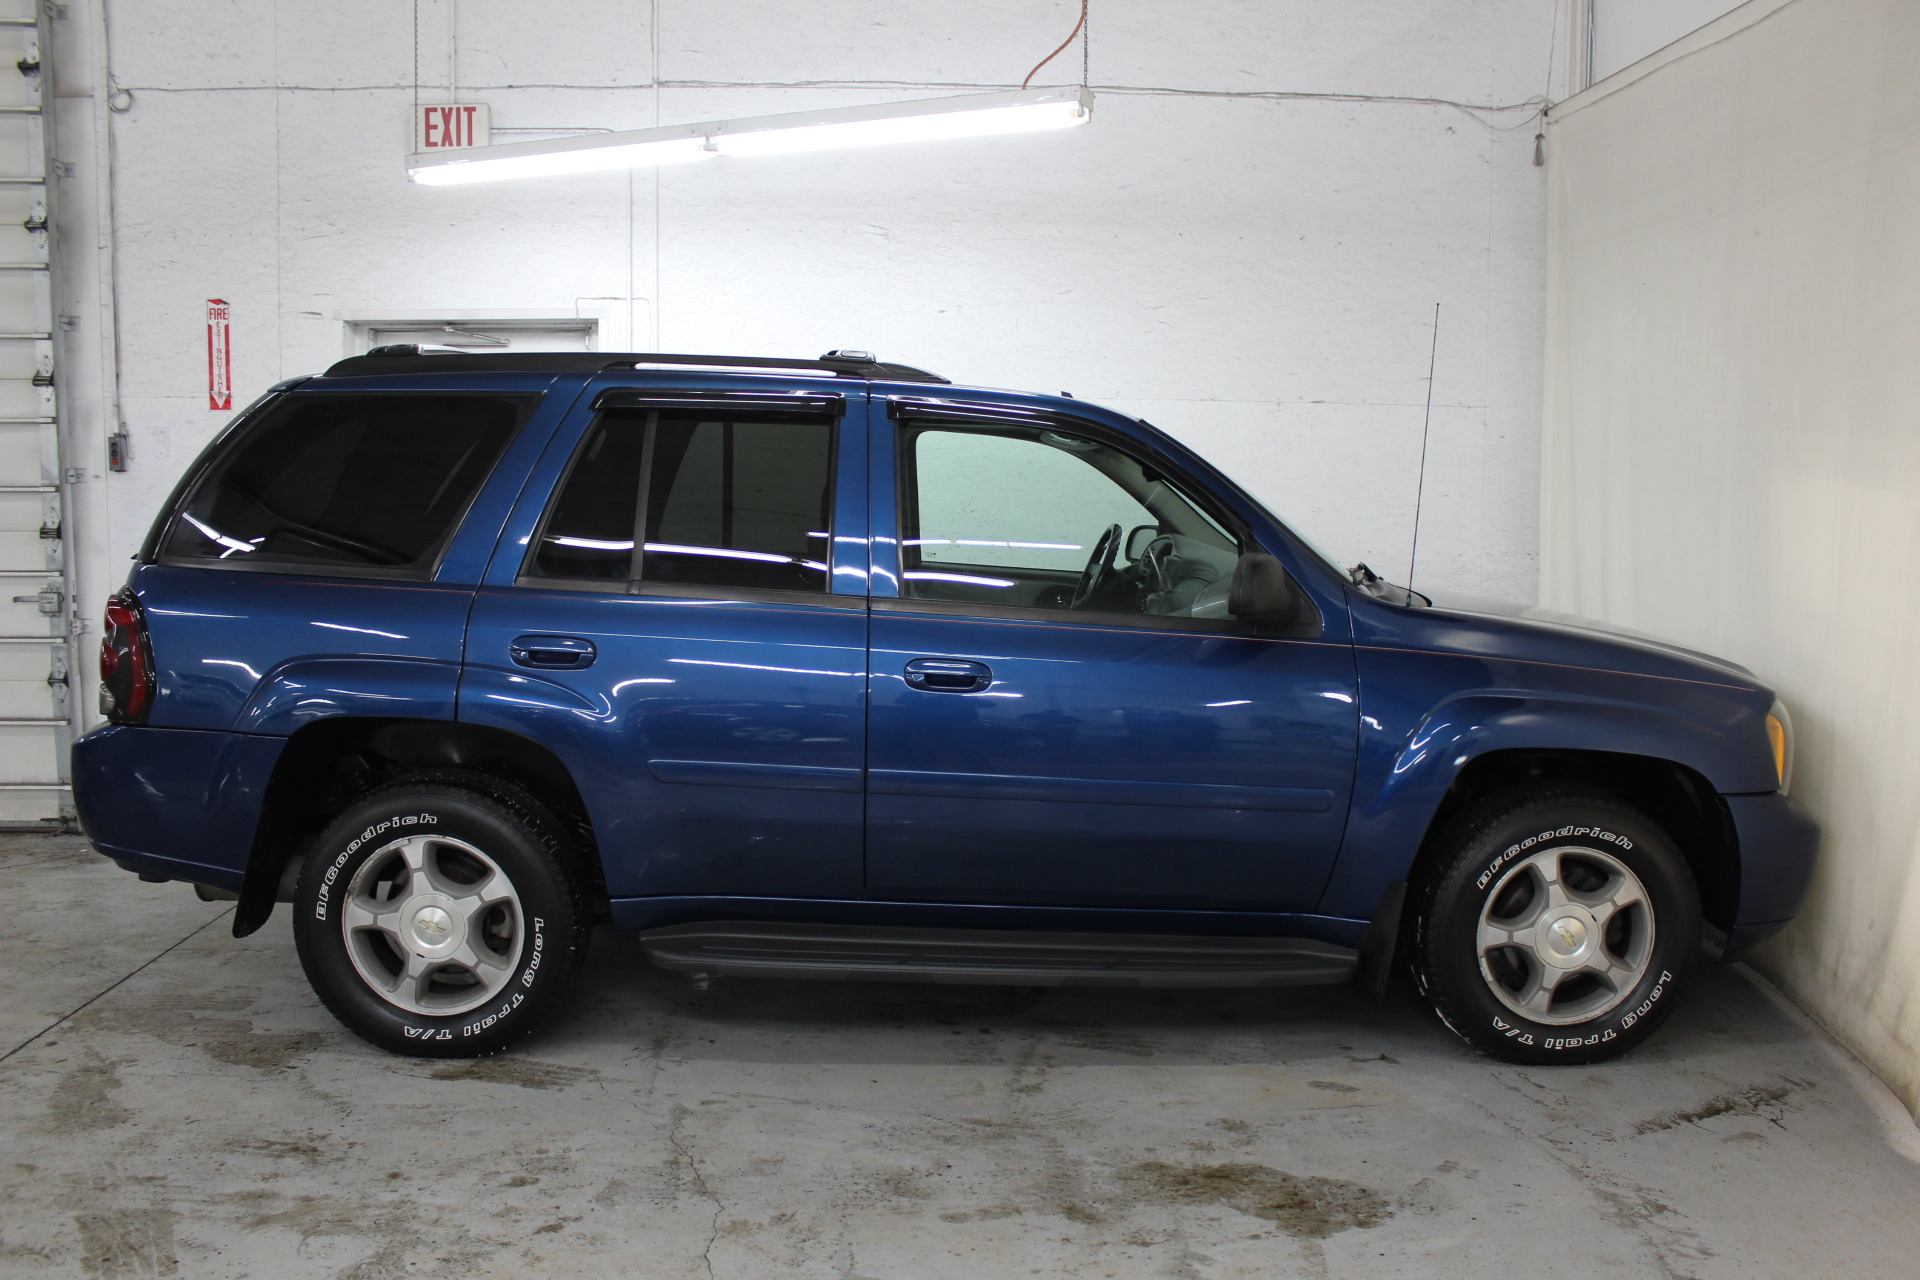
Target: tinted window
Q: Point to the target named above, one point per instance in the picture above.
(364, 483)
(740, 501)
(589, 531)
(744, 503)
(1045, 519)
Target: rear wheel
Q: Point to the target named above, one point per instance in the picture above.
(440, 917)
(1557, 926)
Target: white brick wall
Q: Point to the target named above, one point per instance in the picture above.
(1257, 276)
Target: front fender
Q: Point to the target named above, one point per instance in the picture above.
(299, 692)
(1425, 717)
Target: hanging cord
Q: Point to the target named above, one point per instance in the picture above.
(1071, 36)
(1426, 428)
(1478, 111)
(1546, 94)
(1085, 27)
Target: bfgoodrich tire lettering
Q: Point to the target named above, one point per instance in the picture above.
(441, 916)
(1555, 926)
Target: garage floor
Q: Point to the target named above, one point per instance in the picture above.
(204, 1117)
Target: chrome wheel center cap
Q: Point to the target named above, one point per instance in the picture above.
(432, 928)
(1567, 938)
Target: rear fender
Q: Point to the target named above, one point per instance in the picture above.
(180, 803)
(331, 761)
(298, 693)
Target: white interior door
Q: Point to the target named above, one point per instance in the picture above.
(481, 335)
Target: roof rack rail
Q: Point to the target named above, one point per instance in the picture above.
(408, 357)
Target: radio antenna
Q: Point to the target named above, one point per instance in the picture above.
(1426, 426)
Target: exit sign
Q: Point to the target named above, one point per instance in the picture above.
(450, 128)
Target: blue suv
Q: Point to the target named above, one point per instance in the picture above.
(829, 668)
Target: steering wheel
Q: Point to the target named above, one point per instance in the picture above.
(1099, 565)
(1153, 566)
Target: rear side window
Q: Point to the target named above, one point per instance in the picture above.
(370, 484)
(742, 500)
(589, 533)
(740, 504)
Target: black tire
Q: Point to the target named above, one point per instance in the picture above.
(1491, 865)
(525, 947)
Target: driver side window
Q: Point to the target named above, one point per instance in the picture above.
(1037, 518)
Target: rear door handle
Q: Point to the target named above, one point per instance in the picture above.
(553, 653)
(948, 675)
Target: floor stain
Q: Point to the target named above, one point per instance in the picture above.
(281, 1149)
(1098, 1039)
(524, 1072)
(1758, 1100)
(397, 1229)
(400, 1231)
(80, 1102)
(1658, 1224)
(991, 1213)
(1309, 1207)
(40, 853)
(127, 1243)
(229, 1040)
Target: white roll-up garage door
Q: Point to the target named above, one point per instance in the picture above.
(35, 724)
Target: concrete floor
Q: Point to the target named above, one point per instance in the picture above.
(204, 1117)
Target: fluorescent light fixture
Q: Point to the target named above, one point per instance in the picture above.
(593, 153)
(973, 115)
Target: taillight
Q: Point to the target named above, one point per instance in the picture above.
(126, 662)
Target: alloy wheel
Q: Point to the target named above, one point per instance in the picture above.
(433, 925)
(1566, 935)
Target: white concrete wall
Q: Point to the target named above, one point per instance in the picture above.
(1257, 275)
(1732, 444)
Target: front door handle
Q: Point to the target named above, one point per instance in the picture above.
(948, 675)
(552, 653)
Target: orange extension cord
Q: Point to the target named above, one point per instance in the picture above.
(1063, 46)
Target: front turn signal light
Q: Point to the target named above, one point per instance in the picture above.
(1780, 738)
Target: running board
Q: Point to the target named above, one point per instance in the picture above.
(1014, 958)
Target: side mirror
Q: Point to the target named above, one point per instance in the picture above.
(1263, 593)
(1138, 541)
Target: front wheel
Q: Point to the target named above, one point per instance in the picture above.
(1558, 926)
(440, 917)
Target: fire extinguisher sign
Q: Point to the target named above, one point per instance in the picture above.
(219, 356)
